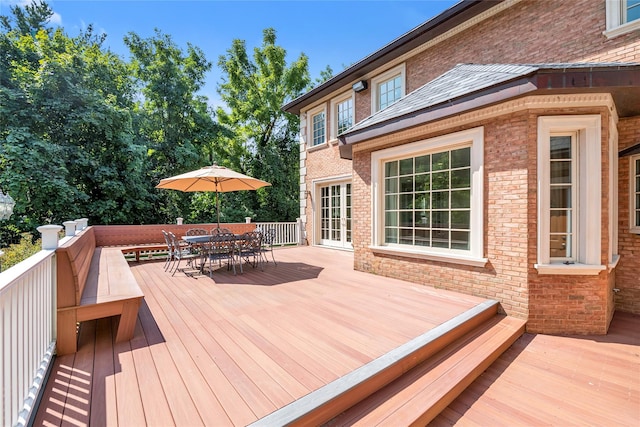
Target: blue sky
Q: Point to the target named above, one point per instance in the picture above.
(334, 33)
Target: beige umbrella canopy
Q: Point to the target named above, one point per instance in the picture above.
(212, 178)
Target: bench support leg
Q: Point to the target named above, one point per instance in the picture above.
(67, 338)
(128, 319)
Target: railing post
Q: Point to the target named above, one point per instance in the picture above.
(49, 236)
(82, 223)
(69, 228)
(300, 230)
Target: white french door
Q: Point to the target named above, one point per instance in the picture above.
(335, 215)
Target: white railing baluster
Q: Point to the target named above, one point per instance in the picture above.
(286, 232)
(27, 319)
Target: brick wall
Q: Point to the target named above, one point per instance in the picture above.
(553, 304)
(628, 271)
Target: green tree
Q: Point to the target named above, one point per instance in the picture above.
(264, 141)
(176, 123)
(66, 126)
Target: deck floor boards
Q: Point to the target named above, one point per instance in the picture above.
(558, 380)
(230, 349)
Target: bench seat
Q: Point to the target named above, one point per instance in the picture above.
(93, 282)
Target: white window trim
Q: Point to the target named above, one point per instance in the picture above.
(387, 75)
(474, 256)
(310, 113)
(632, 197)
(334, 112)
(588, 255)
(615, 26)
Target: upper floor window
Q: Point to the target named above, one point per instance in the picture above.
(316, 124)
(342, 114)
(623, 16)
(387, 88)
(429, 203)
(569, 195)
(634, 202)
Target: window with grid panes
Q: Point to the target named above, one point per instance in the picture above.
(427, 200)
(635, 193)
(389, 92)
(318, 127)
(344, 115)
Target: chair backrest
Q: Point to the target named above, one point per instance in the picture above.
(251, 241)
(167, 239)
(268, 237)
(196, 232)
(220, 230)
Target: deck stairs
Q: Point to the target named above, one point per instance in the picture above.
(413, 383)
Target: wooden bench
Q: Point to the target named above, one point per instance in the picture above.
(93, 282)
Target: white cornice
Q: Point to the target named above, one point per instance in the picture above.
(537, 102)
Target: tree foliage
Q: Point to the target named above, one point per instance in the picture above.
(85, 133)
(263, 143)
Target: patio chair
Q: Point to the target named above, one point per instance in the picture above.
(180, 252)
(220, 230)
(249, 249)
(197, 232)
(167, 240)
(268, 237)
(221, 247)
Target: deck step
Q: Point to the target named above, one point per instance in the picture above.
(338, 396)
(422, 393)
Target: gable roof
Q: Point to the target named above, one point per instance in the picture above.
(469, 86)
(457, 14)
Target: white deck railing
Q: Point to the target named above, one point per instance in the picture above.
(27, 322)
(287, 233)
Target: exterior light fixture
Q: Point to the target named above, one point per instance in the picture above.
(359, 86)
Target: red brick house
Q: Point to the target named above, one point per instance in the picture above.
(493, 150)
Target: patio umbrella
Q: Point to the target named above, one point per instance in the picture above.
(212, 178)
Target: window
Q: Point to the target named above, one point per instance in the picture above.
(342, 113)
(623, 16)
(634, 202)
(316, 125)
(562, 189)
(387, 88)
(428, 198)
(569, 195)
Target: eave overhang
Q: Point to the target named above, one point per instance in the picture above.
(450, 18)
(621, 81)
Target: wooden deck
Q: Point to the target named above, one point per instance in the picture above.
(558, 381)
(232, 349)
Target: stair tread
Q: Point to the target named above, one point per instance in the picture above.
(406, 399)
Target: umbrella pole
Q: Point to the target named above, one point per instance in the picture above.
(218, 203)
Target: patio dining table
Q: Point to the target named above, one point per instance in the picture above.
(234, 249)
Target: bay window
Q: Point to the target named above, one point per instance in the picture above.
(428, 198)
(569, 195)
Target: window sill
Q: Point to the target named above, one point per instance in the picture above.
(570, 270)
(408, 253)
(622, 29)
(312, 148)
(614, 262)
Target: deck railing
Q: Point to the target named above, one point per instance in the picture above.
(287, 233)
(27, 322)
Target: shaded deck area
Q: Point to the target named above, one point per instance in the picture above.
(232, 349)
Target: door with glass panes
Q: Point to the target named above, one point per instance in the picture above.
(334, 216)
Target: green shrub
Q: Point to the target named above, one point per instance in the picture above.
(20, 251)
